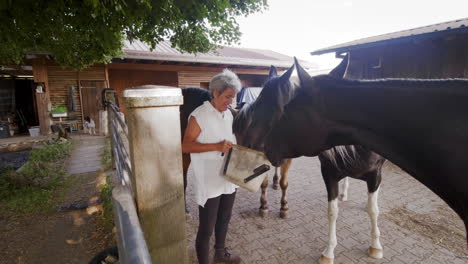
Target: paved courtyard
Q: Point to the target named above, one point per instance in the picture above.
(416, 226)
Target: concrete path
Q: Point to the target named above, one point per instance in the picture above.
(86, 154)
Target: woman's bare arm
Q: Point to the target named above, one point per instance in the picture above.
(189, 145)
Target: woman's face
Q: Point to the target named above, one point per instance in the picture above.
(223, 100)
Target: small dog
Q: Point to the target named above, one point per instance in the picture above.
(89, 126)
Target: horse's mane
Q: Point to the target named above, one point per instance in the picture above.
(271, 96)
(240, 119)
(447, 86)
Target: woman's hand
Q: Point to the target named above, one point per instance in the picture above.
(224, 146)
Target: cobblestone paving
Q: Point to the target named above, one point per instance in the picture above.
(302, 237)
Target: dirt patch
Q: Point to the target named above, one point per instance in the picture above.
(443, 227)
(56, 237)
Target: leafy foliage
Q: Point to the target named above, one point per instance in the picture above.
(79, 33)
(60, 109)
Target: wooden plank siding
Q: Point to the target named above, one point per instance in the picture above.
(121, 79)
(126, 75)
(201, 79)
(91, 100)
(61, 78)
(432, 59)
(179, 68)
(194, 79)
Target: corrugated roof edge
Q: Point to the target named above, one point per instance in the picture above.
(404, 35)
(140, 50)
(206, 59)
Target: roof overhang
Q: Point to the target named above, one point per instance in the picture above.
(416, 34)
(141, 55)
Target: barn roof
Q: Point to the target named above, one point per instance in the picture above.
(225, 55)
(460, 25)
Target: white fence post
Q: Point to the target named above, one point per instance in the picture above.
(155, 150)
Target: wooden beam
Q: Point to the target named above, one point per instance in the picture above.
(40, 73)
(154, 67)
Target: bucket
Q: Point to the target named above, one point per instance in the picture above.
(245, 167)
(35, 131)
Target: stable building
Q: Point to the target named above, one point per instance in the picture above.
(37, 94)
(433, 51)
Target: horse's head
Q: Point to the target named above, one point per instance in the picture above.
(254, 121)
(301, 130)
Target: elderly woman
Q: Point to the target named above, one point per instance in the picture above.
(208, 135)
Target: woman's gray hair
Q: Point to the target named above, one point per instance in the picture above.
(222, 81)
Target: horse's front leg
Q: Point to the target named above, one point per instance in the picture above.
(328, 254)
(263, 210)
(329, 174)
(343, 196)
(375, 249)
(284, 187)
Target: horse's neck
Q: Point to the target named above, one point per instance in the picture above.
(418, 110)
(424, 131)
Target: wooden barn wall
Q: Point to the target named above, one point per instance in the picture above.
(200, 79)
(61, 78)
(121, 79)
(432, 59)
(194, 79)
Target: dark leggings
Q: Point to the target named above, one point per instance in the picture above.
(215, 215)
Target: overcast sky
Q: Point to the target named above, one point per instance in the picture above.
(297, 27)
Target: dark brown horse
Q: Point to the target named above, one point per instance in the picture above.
(193, 98)
(254, 122)
(420, 125)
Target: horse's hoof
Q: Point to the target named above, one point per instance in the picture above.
(343, 198)
(284, 214)
(263, 212)
(275, 186)
(375, 253)
(325, 260)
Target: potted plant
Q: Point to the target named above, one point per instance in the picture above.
(59, 111)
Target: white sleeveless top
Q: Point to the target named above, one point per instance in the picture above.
(215, 127)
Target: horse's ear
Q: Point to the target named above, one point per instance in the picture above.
(273, 72)
(339, 71)
(301, 73)
(287, 74)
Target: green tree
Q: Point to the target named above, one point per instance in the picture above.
(79, 33)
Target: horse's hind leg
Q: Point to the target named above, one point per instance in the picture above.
(276, 180)
(284, 187)
(263, 210)
(373, 185)
(343, 196)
